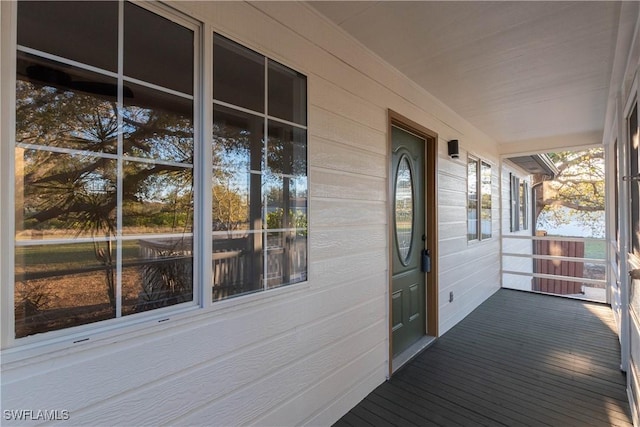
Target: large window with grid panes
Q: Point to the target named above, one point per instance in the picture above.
(116, 214)
(259, 166)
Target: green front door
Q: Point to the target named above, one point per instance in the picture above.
(408, 301)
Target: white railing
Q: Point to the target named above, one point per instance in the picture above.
(572, 266)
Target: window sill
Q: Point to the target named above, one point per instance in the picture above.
(125, 331)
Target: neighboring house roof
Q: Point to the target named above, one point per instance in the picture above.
(536, 164)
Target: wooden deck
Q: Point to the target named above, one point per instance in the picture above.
(519, 359)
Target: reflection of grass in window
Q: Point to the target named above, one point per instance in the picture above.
(68, 287)
(63, 257)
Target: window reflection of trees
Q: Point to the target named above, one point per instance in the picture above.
(244, 180)
(158, 126)
(68, 193)
(236, 136)
(404, 208)
(60, 117)
(472, 199)
(485, 192)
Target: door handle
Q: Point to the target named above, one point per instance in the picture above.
(426, 261)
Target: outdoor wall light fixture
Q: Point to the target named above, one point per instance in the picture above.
(453, 149)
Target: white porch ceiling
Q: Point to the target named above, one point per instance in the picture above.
(528, 74)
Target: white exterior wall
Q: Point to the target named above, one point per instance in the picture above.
(517, 246)
(471, 270)
(302, 354)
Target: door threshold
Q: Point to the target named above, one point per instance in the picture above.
(416, 348)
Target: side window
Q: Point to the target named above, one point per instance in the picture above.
(524, 205)
(104, 164)
(514, 197)
(472, 199)
(519, 211)
(259, 166)
(479, 225)
(485, 197)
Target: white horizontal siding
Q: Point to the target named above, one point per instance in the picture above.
(515, 246)
(342, 158)
(347, 185)
(306, 354)
(469, 270)
(477, 287)
(296, 361)
(325, 93)
(339, 129)
(366, 368)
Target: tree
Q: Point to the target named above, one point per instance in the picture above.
(576, 194)
(230, 208)
(73, 192)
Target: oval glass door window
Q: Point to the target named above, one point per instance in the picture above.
(404, 209)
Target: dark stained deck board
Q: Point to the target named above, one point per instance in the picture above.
(543, 355)
(394, 407)
(550, 367)
(518, 359)
(517, 404)
(486, 408)
(518, 394)
(546, 387)
(428, 404)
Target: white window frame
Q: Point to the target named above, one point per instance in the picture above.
(524, 203)
(266, 117)
(519, 203)
(94, 333)
(8, 194)
(479, 163)
(514, 210)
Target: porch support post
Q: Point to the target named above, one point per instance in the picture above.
(623, 201)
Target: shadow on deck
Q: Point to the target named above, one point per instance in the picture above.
(518, 359)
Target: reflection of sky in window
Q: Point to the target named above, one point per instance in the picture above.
(229, 160)
(96, 183)
(472, 177)
(235, 181)
(300, 185)
(99, 126)
(170, 136)
(162, 185)
(232, 158)
(235, 167)
(168, 190)
(486, 179)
